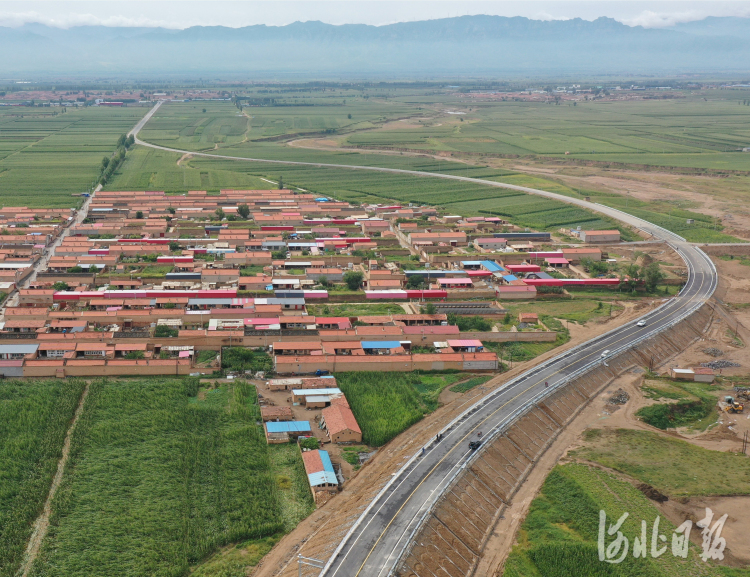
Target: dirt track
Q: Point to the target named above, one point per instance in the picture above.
(41, 525)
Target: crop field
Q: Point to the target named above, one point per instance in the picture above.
(559, 534)
(46, 155)
(187, 126)
(158, 170)
(295, 501)
(386, 407)
(160, 475)
(686, 131)
(34, 418)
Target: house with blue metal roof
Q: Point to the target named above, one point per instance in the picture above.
(319, 469)
(282, 431)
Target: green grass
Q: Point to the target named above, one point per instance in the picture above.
(674, 467)
(695, 406)
(159, 479)
(45, 156)
(386, 405)
(244, 359)
(34, 419)
(558, 538)
(351, 455)
(206, 356)
(517, 351)
(470, 384)
(355, 309)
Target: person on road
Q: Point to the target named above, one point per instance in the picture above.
(546, 384)
(479, 434)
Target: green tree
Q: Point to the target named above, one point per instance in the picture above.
(105, 162)
(134, 355)
(630, 277)
(353, 279)
(130, 141)
(281, 182)
(323, 281)
(244, 211)
(75, 269)
(429, 309)
(652, 276)
(219, 213)
(139, 214)
(60, 286)
(174, 246)
(349, 116)
(415, 281)
(121, 141)
(171, 210)
(165, 331)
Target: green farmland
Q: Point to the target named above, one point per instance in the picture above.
(172, 123)
(704, 130)
(155, 169)
(188, 127)
(162, 474)
(46, 155)
(34, 418)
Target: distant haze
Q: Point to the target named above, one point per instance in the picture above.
(461, 46)
(180, 14)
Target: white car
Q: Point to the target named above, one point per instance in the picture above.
(640, 324)
(605, 353)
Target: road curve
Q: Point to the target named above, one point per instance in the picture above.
(373, 545)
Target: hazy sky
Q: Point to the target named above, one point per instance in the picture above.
(235, 13)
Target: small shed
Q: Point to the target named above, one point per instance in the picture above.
(557, 262)
(703, 375)
(276, 414)
(682, 374)
(531, 318)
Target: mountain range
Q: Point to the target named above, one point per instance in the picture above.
(461, 46)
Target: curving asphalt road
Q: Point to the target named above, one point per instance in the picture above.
(373, 545)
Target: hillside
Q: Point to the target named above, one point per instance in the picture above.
(467, 45)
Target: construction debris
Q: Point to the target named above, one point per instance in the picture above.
(723, 364)
(619, 398)
(714, 352)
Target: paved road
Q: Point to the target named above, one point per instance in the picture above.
(374, 543)
(41, 264)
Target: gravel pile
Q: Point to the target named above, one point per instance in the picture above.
(720, 364)
(714, 352)
(619, 398)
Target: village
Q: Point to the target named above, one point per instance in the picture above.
(152, 284)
